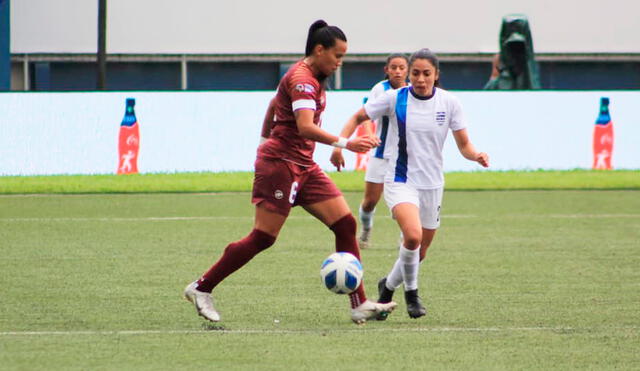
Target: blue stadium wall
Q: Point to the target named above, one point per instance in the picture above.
(69, 76)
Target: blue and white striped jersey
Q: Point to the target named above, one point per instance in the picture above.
(418, 127)
(382, 124)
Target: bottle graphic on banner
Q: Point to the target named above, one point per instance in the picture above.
(603, 137)
(129, 141)
(362, 159)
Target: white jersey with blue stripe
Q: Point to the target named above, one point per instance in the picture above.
(418, 127)
(382, 123)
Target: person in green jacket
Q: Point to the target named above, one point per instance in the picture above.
(515, 67)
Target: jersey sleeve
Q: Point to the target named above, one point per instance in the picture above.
(375, 91)
(379, 106)
(458, 121)
(303, 93)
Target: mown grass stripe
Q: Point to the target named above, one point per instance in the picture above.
(221, 217)
(349, 181)
(357, 328)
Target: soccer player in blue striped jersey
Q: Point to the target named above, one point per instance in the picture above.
(396, 70)
(420, 117)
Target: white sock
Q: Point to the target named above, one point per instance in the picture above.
(394, 278)
(410, 267)
(366, 218)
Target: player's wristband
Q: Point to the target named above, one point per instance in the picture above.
(263, 139)
(341, 143)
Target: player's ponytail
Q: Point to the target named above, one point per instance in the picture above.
(427, 54)
(321, 33)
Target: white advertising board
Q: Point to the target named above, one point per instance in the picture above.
(77, 133)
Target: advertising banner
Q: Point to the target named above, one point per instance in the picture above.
(85, 133)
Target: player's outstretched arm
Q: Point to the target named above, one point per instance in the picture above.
(308, 130)
(358, 118)
(349, 127)
(468, 150)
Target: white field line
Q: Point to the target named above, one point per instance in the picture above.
(593, 216)
(80, 195)
(117, 219)
(222, 217)
(166, 218)
(356, 329)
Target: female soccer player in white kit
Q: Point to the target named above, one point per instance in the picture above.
(420, 117)
(395, 69)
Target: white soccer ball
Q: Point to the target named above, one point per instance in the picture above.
(341, 272)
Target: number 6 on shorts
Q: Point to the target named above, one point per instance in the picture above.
(293, 192)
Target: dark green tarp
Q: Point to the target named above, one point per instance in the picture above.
(517, 68)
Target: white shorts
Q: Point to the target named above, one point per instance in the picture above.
(376, 168)
(428, 201)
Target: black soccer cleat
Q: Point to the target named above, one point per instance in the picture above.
(386, 296)
(414, 304)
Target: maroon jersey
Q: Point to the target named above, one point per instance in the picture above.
(298, 89)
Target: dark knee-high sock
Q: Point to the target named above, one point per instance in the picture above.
(345, 231)
(235, 255)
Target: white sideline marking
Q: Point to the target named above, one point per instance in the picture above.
(167, 218)
(27, 195)
(117, 219)
(594, 216)
(318, 331)
(222, 217)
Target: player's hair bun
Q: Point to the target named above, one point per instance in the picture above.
(321, 33)
(316, 25)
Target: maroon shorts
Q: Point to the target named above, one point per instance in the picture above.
(280, 185)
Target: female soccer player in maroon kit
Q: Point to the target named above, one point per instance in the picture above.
(287, 176)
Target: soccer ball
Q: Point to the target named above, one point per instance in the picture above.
(341, 272)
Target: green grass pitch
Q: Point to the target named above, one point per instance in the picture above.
(514, 280)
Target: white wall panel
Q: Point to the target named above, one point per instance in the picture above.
(77, 133)
(215, 26)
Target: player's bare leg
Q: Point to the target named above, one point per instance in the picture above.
(267, 226)
(427, 238)
(335, 214)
